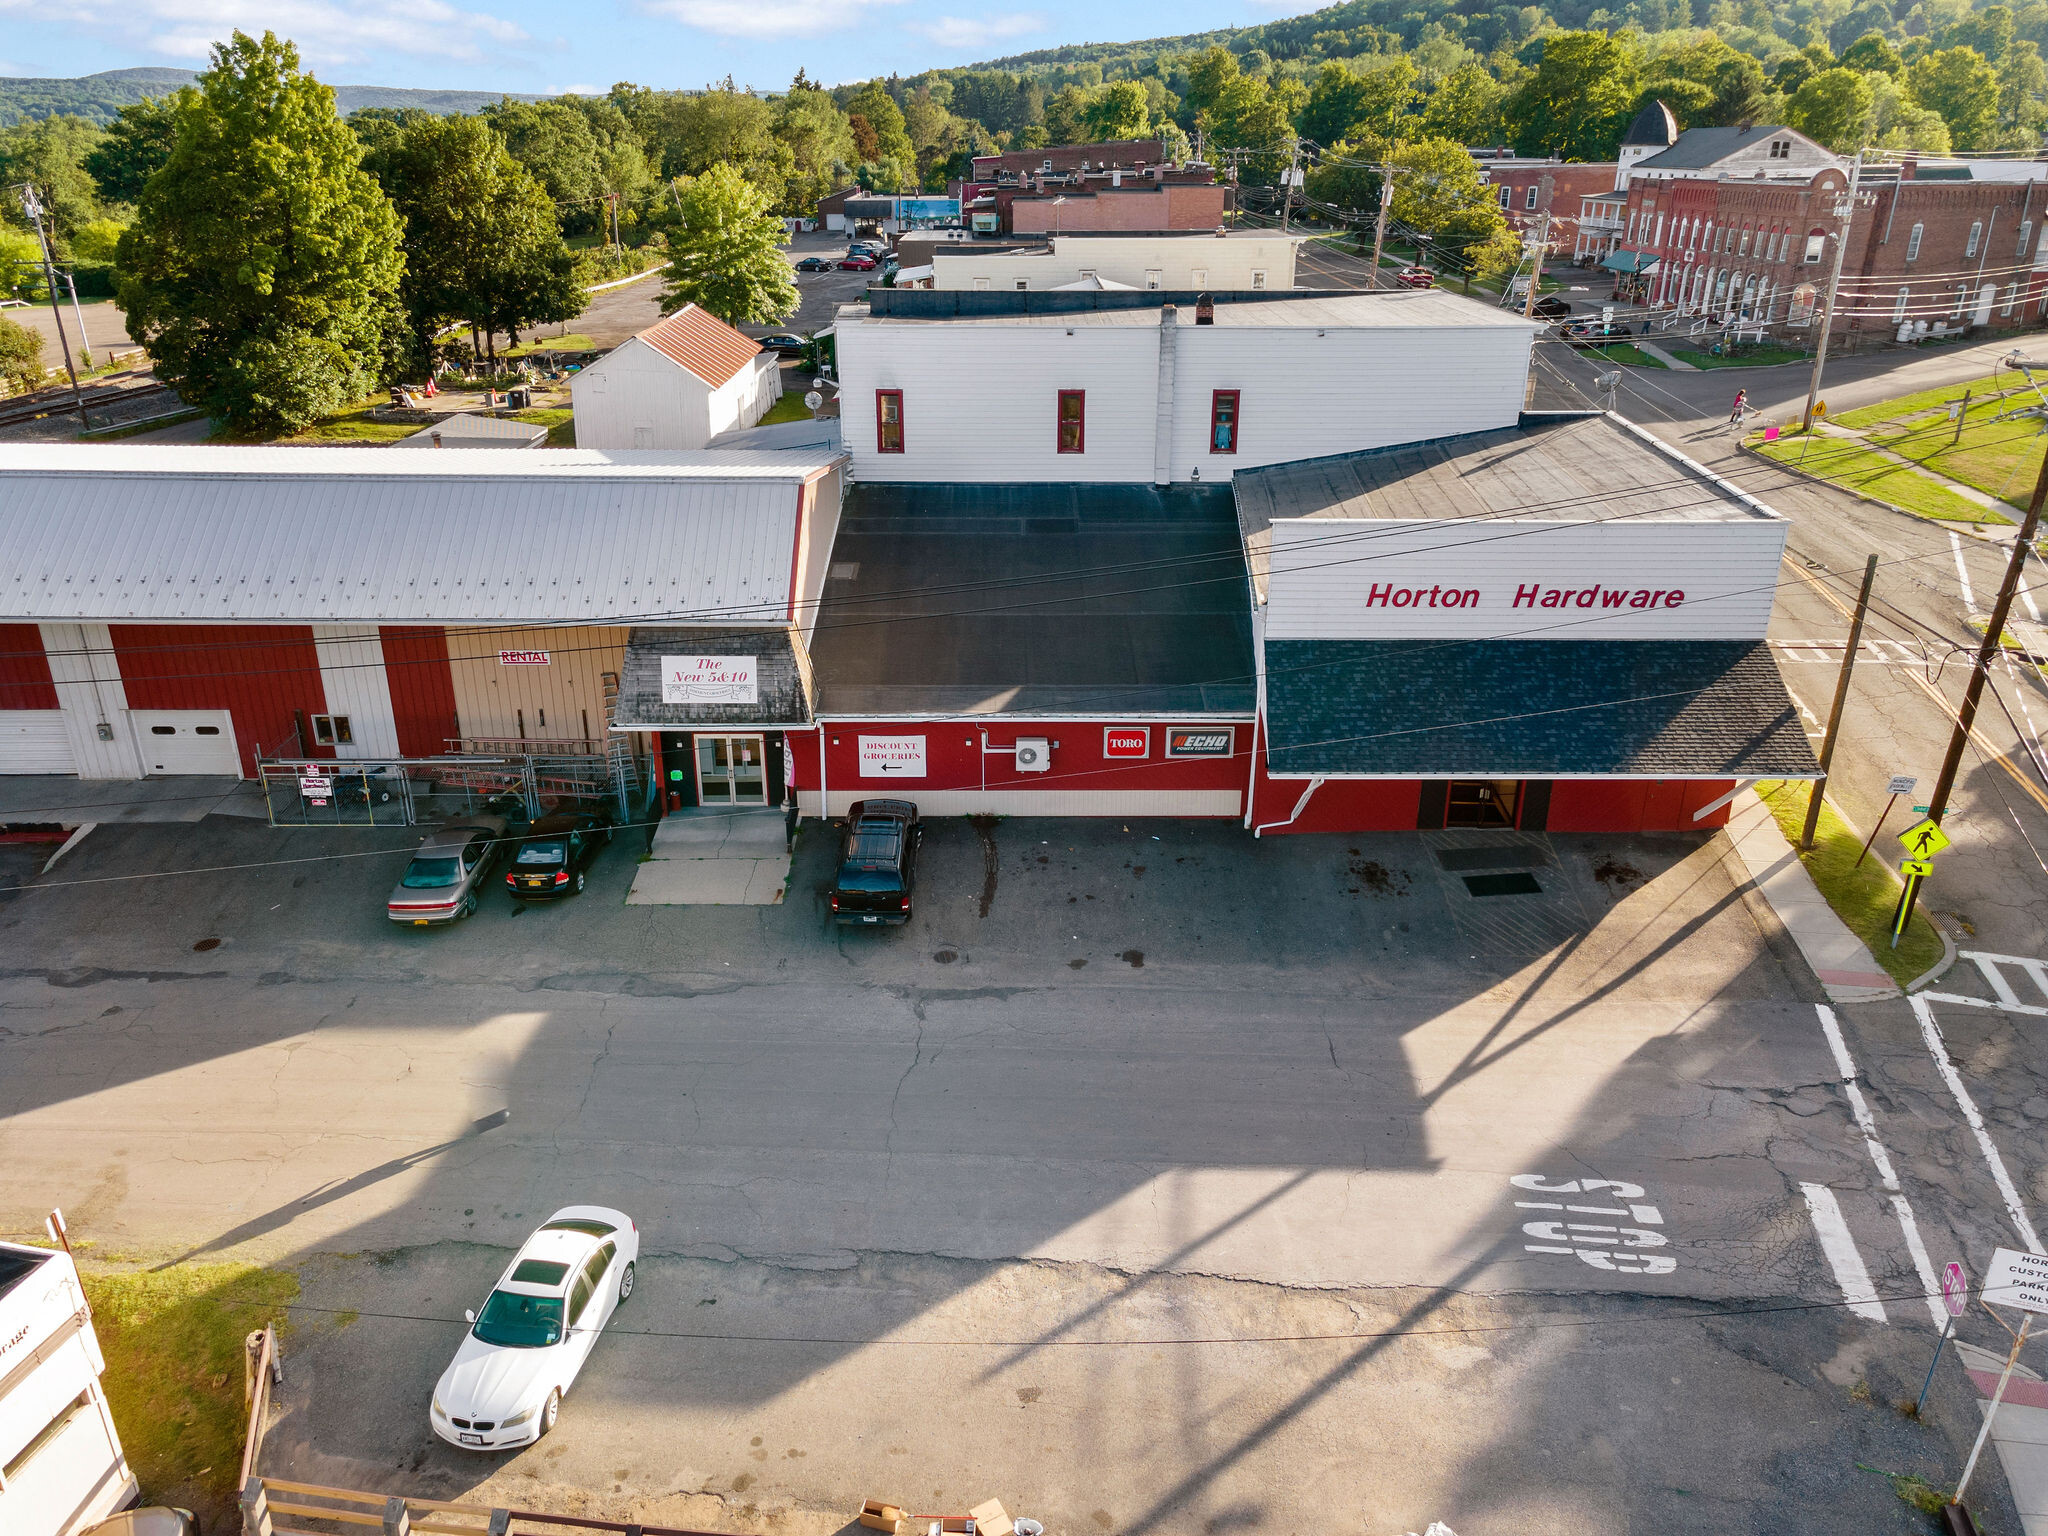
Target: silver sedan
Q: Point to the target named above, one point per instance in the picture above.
(441, 883)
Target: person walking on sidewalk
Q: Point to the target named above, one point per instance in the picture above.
(1739, 409)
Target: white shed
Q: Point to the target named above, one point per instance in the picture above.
(675, 386)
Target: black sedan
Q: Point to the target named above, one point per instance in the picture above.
(553, 854)
(787, 343)
(877, 863)
(1591, 333)
(814, 264)
(1551, 307)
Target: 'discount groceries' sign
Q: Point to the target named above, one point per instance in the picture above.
(892, 757)
(1485, 578)
(709, 680)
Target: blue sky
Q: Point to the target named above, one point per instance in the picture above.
(523, 45)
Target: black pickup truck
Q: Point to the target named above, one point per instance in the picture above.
(877, 863)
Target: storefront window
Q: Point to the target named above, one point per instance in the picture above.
(1223, 421)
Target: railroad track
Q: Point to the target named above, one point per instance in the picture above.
(55, 403)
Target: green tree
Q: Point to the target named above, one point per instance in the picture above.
(481, 242)
(727, 256)
(21, 265)
(1066, 117)
(820, 142)
(1120, 112)
(1898, 122)
(1832, 108)
(725, 126)
(21, 357)
(1343, 102)
(1720, 85)
(2022, 89)
(1253, 116)
(1344, 174)
(1871, 51)
(97, 241)
(134, 148)
(50, 155)
(1208, 76)
(1437, 189)
(1466, 106)
(261, 274)
(1576, 102)
(1989, 31)
(555, 143)
(873, 103)
(1958, 84)
(1796, 69)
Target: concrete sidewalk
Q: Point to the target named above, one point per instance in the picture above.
(75, 802)
(1843, 962)
(2019, 1433)
(715, 857)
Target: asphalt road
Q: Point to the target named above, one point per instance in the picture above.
(947, 1212)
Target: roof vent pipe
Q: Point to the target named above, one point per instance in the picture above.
(437, 437)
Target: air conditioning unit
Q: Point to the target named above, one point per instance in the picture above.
(1034, 754)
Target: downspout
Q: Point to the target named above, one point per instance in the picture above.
(824, 790)
(1162, 427)
(1300, 805)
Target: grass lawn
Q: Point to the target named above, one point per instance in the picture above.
(1925, 400)
(1865, 897)
(173, 1342)
(790, 407)
(1846, 463)
(1999, 457)
(575, 341)
(561, 425)
(1622, 352)
(1748, 357)
(352, 427)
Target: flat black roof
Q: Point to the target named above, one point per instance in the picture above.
(1532, 709)
(1035, 599)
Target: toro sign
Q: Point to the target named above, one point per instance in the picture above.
(1126, 741)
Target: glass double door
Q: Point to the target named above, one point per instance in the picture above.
(732, 770)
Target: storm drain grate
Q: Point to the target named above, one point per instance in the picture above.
(1520, 883)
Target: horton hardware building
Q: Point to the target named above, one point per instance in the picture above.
(1539, 621)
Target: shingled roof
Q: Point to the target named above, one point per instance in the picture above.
(702, 343)
(1532, 709)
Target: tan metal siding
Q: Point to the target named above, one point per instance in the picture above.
(554, 700)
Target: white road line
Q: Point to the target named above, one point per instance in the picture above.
(1930, 1287)
(1962, 572)
(1840, 1248)
(1931, 1032)
(1810, 715)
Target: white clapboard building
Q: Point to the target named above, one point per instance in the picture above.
(675, 386)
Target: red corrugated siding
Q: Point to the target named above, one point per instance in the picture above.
(262, 673)
(1636, 805)
(422, 689)
(24, 670)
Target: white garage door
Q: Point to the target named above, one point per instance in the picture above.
(186, 741)
(33, 741)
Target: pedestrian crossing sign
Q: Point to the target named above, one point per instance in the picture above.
(1924, 839)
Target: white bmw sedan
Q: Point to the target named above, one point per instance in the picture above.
(505, 1385)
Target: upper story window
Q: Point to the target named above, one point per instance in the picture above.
(1899, 304)
(888, 421)
(1816, 244)
(1023, 285)
(1155, 278)
(1199, 277)
(1529, 200)
(2026, 236)
(1743, 249)
(981, 285)
(1913, 241)
(1781, 149)
(1976, 235)
(1507, 195)
(1223, 421)
(1073, 436)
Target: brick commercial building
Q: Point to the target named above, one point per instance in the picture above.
(1068, 160)
(1531, 191)
(1131, 209)
(1737, 227)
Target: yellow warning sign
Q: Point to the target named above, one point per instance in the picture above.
(1921, 867)
(1924, 839)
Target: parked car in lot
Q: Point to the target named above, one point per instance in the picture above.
(814, 264)
(1551, 307)
(877, 863)
(549, 858)
(787, 343)
(447, 872)
(1591, 333)
(536, 1329)
(858, 263)
(1415, 277)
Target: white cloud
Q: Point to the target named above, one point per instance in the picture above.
(767, 18)
(327, 33)
(973, 32)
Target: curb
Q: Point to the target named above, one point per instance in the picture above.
(1941, 967)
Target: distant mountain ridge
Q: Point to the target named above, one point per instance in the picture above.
(98, 97)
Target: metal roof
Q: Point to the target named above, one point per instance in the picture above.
(351, 535)
(702, 343)
(1405, 309)
(462, 430)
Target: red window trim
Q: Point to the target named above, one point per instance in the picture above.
(1081, 424)
(1236, 419)
(880, 395)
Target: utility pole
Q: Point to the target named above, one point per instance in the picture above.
(1379, 233)
(1536, 269)
(1973, 691)
(1847, 210)
(1287, 192)
(34, 209)
(84, 341)
(1827, 744)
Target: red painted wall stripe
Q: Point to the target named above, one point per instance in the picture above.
(264, 674)
(24, 669)
(422, 688)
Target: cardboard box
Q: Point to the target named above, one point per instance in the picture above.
(991, 1519)
(879, 1516)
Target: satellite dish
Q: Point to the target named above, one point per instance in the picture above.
(1606, 382)
(813, 400)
